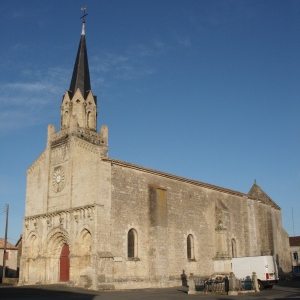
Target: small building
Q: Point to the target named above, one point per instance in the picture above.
(19, 246)
(295, 254)
(11, 259)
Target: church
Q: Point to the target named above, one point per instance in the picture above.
(100, 223)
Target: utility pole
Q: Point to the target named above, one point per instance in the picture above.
(5, 243)
(293, 221)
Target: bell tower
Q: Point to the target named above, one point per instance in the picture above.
(78, 111)
(79, 105)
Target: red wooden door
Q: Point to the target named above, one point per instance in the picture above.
(64, 263)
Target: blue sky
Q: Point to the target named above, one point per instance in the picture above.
(206, 89)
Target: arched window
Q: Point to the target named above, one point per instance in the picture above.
(190, 247)
(91, 120)
(66, 119)
(132, 243)
(84, 247)
(233, 248)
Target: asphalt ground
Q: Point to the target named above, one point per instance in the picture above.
(285, 290)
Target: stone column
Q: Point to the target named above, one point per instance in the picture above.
(191, 284)
(232, 285)
(255, 282)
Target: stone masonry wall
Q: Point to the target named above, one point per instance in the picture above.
(76, 197)
(192, 210)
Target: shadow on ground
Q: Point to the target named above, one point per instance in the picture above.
(294, 283)
(285, 290)
(69, 293)
(52, 292)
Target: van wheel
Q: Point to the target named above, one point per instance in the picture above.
(260, 285)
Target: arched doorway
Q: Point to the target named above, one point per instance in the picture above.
(64, 263)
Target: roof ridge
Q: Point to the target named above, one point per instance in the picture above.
(187, 180)
(184, 179)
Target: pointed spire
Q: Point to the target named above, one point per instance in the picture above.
(81, 75)
(83, 28)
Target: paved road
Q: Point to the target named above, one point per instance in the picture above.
(285, 291)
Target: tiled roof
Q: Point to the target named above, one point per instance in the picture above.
(8, 245)
(266, 199)
(294, 240)
(175, 177)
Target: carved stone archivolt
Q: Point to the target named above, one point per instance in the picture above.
(49, 222)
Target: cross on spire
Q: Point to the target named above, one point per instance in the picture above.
(84, 14)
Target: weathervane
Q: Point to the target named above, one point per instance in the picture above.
(84, 13)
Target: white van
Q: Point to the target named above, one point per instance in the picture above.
(264, 266)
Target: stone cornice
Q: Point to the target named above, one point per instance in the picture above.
(62, 211)
(85, 134)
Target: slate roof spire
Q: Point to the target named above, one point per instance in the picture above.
(81, 75)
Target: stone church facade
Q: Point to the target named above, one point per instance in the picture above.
(96, 222)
